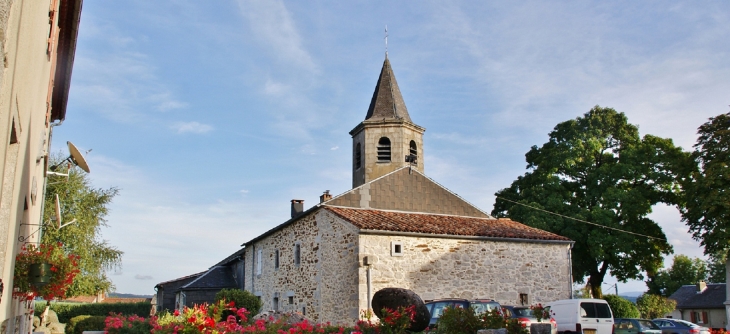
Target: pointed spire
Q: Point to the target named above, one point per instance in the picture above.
(387, 102)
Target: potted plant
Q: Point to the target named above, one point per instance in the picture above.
(43, 271)
(540, 312)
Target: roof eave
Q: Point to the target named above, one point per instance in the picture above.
(68, 24)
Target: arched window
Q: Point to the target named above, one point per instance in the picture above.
(358, 156)
(414, 149)
(384, 149)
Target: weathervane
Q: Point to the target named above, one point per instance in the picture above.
(386, 40)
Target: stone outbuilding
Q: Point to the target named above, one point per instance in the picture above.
(396, 228)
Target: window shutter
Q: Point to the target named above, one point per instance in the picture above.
(704, 317)
(692, 317)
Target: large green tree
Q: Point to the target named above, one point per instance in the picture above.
(682, 272)
(717, 268)
(598, 169)
(88, 206)
(706, 208)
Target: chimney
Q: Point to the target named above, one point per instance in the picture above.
(325, 197)
(297, 207)
(701, 286)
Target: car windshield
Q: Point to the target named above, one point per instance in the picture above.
(481, 307)
(686, 323)
(647, 324)
(522, 312)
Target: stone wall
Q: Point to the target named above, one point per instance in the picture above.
(458, 268)
(324, 285)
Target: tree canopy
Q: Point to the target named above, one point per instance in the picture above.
(707, 191)
(89, 206)
(682, 272)
(654, 306)
(598, 169)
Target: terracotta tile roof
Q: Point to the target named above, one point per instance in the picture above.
(81, 299)
(394, 221)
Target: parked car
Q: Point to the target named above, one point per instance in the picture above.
(678, 326)
(525, 317)
(587, 316)
(635, 326)
(436, 307)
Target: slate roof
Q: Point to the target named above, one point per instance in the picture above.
(181, 278)
(712, 297)
(387, 101)
(215, 278)
(409, 222)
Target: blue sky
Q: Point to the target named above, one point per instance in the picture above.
(211, 115)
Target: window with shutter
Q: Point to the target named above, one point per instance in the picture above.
(704, 317)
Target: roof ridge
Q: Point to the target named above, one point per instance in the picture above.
(410, 212)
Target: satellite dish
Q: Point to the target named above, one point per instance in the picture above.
(58, 214)
(74, 157)
(77, 158)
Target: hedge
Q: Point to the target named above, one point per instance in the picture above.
(81, 323)
(66, 311)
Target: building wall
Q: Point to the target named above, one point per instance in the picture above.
(199, 297)
(324, 286)
(26, 73)
(458, 268)
(166, 293)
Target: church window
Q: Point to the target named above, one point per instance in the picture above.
(358, 156)
(384, 149)
(297, 254)
(413, 148)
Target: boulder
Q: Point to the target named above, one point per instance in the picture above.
(393, 298)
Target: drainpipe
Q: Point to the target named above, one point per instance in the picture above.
(570, 270)
(370, 286)
(253, 268)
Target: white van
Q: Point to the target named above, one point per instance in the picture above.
(587, 316)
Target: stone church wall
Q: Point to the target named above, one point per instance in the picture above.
(459, 268)
(324, 286)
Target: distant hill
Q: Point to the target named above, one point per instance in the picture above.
(632, 295)
(128, 295)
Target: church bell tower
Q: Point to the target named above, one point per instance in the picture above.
(387, 139)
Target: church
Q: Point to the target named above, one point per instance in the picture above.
(395, 228)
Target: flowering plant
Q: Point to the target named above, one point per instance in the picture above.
(393, 322)
(540, 312)
(203, 319)
(64, 268)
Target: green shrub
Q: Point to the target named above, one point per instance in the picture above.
(514, 326)
(459, 320)
(66, 311)
(621, 307)
(241, 298)
(81, 323)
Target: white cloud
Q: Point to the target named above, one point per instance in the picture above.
(334, 148)
(120, 83)
(143, 277)
(191, 127)
(271, 23)
(244, 191)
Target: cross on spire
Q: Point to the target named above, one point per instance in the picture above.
(386, 40)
